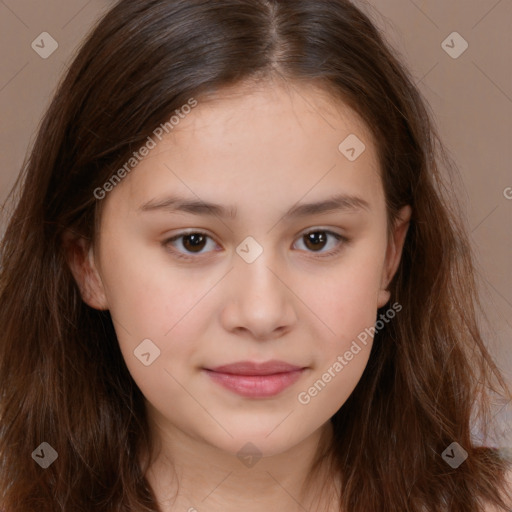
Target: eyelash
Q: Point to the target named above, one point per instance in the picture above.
(340, 238)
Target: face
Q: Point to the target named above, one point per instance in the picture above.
(256, 276)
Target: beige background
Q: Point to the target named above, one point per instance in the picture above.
(471, 97)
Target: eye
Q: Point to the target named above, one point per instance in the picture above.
(194, 242)
(316, 240)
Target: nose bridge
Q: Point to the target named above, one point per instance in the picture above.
(255, 269)
(260, 301)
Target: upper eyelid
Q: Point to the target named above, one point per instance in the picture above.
(302, 233)
(202, 232)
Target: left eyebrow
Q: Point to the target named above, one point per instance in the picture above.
(338, 202)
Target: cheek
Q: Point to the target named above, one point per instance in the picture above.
(144, 290)
(155, 310)
(329, 388)
(345, 297)
(348, 306)
(150, 299)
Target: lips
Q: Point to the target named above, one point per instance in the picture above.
(253, 368)
(256, 380)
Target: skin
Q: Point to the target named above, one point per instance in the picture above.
(262, 150)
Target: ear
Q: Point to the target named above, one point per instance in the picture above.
(81, 261)
(394, 253)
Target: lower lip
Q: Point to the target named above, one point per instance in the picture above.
(256, 386)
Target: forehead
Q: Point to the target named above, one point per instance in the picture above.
(269, 143)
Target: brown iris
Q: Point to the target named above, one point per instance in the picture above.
(314, 238)
(196, 242)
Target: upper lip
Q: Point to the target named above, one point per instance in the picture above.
(254, 368)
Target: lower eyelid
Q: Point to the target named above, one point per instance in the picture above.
(340, 238)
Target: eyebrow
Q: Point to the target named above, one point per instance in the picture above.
(338, 202)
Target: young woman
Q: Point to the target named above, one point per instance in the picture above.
(235, 279)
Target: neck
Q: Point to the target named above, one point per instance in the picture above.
(189, 475)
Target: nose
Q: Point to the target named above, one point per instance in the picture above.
(259, 301)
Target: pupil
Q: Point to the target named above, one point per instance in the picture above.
(316, 238)
(196, 241)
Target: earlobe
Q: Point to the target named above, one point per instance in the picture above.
(394, 253)
(383, 298)
(81, 261)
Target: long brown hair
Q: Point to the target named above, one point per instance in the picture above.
(63, 378)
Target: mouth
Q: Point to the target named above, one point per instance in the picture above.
(256, 380)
